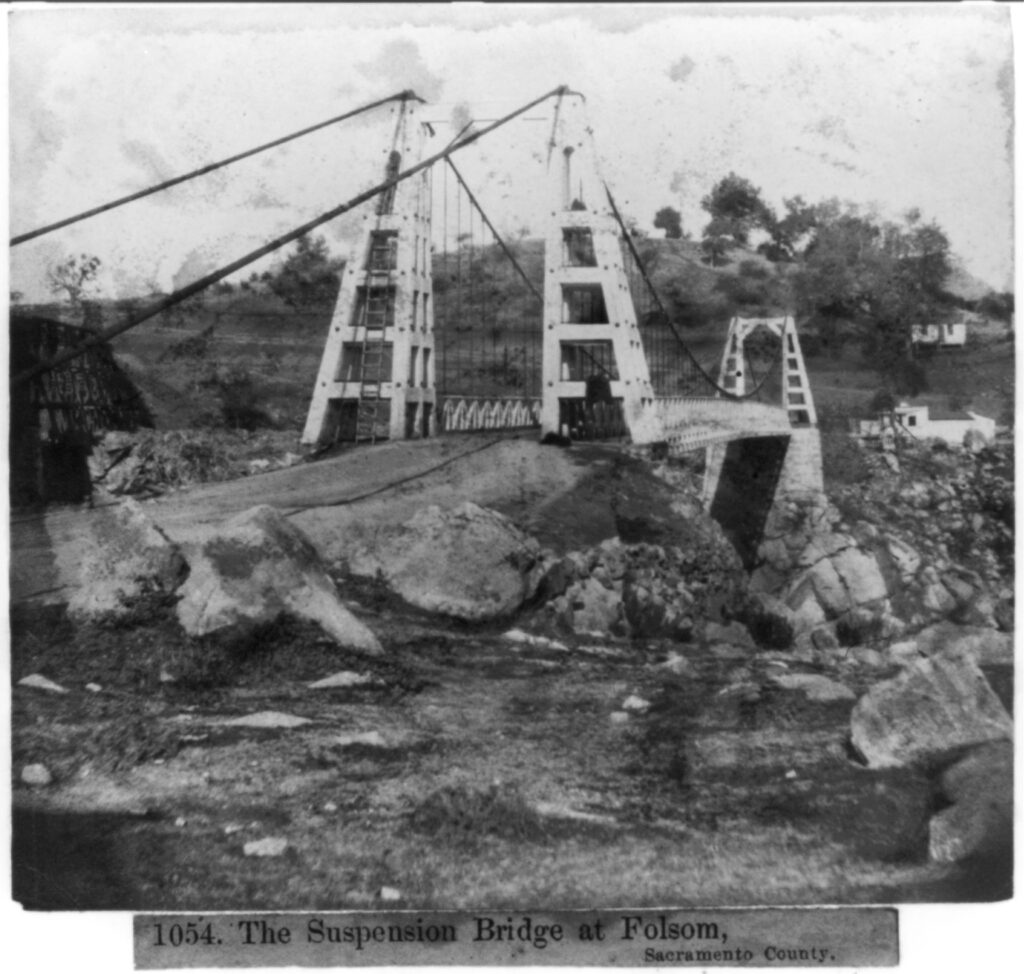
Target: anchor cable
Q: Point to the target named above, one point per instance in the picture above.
(212, 167)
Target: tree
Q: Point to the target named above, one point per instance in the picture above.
(309, 276)
(738, 201)
(74, 277)
(790, 234)
(671, 221)
(721, 235)
(883, 277)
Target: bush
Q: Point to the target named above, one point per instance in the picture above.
(462, 815)
(842, 459)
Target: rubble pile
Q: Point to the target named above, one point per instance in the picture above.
(149, 462)
(644, 589)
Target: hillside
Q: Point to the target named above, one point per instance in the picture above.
(247, 358)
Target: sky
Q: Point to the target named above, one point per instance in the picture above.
(887, 106)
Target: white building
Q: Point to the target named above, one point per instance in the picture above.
(952, 335)
(948, 425)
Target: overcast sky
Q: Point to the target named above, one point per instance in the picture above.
(891, 107)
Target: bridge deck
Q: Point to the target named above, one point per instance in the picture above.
(691, 423)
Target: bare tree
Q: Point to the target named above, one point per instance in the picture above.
(74, 277)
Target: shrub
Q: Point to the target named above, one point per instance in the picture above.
(842, 459)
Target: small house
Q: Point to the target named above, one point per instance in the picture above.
(952, 335)
(932, 422)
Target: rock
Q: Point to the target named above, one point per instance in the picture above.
(595, 609)
(680, 666)
(903, 652)
(265, 848)
(39, 682)
(539, 642)
(36, 775)
(256, 567)
(824, 638)
(815, 687)
(735, 634)
(346, 678)
(828, 587)
(469, 562)
(770, 621)
(932, 708)
(635, 704)
(979, 611)
(961, 590)
(987, 647)
(866, 656)
(266, 719)
(904, 558)
(808, 613)
(368, 738)
(128, 557)
(861, 575)
(859, 625)
(980, 820)
(1004, 614)
(937, 600)
(556, 577)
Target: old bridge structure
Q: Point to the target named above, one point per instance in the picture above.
(415, 348)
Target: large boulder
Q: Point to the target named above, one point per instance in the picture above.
(979, 820)
(933, 708)
(468, 562)
(595, 609)
(987, 647)
(128, 557)
(771, 622)
(256, 567)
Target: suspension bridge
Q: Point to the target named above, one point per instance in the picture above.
(579, 345)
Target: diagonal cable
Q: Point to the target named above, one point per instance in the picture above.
(195, 287)
(31, 235)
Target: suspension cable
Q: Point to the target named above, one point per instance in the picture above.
(497, 236)
(195, 287)
(24, 237)
(661, 307)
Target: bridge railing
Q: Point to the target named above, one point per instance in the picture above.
(462, 414)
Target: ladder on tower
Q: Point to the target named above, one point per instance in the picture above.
(375, 362)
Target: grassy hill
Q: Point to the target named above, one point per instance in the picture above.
(249, 350)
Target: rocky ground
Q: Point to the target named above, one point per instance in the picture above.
(343, 685)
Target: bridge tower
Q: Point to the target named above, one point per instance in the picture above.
(595, 376)
(376, 377)
(744, 479)
(796, 388)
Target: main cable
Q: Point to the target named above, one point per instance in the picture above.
(213, 166)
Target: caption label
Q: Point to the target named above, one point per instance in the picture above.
(699, 938)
